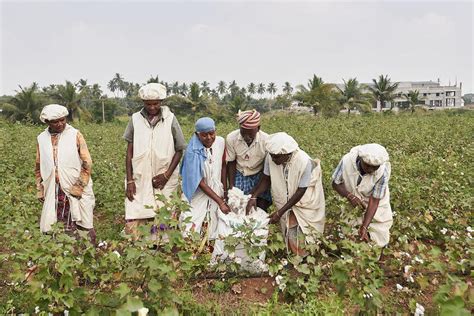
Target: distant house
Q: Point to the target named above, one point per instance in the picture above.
(432, 94)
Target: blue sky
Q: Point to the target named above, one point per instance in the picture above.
(50, 42)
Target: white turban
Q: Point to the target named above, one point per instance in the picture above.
(152, 91)
(280, 143)
(53, 112)
(373, 154)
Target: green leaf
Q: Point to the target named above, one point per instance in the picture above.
(122, 290)
(154, 285)
(133, 304)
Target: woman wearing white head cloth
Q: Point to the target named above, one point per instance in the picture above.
(362, 177)
(63, 174)
(297, 191)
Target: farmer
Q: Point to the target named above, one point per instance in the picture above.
(204, 173)
(297, 191)
(63, 175)
(245, 156)
(155, 146)
(362, 177)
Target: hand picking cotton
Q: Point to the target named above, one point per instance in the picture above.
(233, 224)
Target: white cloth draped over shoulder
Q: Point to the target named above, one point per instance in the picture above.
(379, 228)
(153, 151)
(310, 210)
(201, 205)
(69, 168)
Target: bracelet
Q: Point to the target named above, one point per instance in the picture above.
(164, 174)
(252, 198)
(130, 181)
(365, 228)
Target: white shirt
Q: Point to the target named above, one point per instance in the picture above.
(249, 158)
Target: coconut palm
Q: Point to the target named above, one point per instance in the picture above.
(413, 99)
(237, 104)
(261, 89)
(153, 79)
(321, 97)
(116, 84)
(26, 105)
(221, 87)
(183, 89)
(175, 87)
(383, 90)
(271, 88)
(82, 85)
(205, 87)
(287, 88)
(351, 96)
(68, 96)
(251, 88)
(95, 91)
(233, 87)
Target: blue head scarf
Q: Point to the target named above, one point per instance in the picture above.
(193, 162)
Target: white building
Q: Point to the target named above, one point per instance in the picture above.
(431, 93)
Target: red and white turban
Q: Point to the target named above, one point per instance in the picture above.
(249, 119)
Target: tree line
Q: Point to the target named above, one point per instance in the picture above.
(88, 102)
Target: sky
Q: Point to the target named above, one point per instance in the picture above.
(50, 42)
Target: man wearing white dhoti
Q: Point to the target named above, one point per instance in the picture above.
(63, 174)
(297, 191)
(155, 146)
(362, 177)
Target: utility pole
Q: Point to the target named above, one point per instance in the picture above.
(103, 111)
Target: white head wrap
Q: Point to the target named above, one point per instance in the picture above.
(373, 154)
(152, 91)
(280, 143)
(53, 112)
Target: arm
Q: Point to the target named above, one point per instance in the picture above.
(160, 180)
(275, 217)
(86, 167)
(210, 193)
(341, 189)
(261, 187)
(231, 170)
(38, 179)
(131, 188)
(224, 175)
(368, 216)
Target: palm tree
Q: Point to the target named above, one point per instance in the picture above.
(116, 84)
(26, 105)
(237, 104)
(261, 89)
(95, 91)
(153, 79)
(70, 98)
(175, 87)
(271, 88)
(384, 90)
(287, 88)
(251, 88)
(82, 84)
(233, 87)
(205, 87)
(221, 87)
(413, 98)
(183, 89)
(320, 96)
(351, 96)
